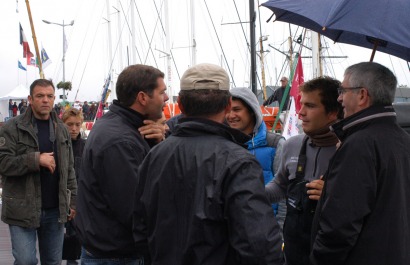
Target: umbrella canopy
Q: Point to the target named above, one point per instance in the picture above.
(374, 24)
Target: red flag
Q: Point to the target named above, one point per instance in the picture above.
(99, 111)
(298, 79)
(26, 49)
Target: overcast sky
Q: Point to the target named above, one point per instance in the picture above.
(88, 62)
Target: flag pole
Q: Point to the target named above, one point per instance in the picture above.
(40, 64)
(288, 86)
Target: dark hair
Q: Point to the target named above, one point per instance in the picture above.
(379, 81)
(327, 87)
(203, 102)
(134, 79)
(42, 83)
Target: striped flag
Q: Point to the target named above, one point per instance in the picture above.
(26, 48)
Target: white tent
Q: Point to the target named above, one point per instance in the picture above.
(19, 93)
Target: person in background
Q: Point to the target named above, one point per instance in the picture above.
(93, 111)
(246, 116)
(57, 108)
(73, 119)
(363, 215)
(10, 108)
(278, 94)
(108, 179)
(20, 105)
(86, 111)
(23, 107)
(39, 187)
(15, 109)
(305, 159)
(200, 197)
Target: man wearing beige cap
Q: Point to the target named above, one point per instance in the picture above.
(200, 198)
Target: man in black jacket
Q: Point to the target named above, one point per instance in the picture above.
(363, 214)
(200, 197)
(278, 94)
(114, 150)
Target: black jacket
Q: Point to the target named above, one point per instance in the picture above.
(277, 96)
(201, 200)
(363, 215)
(112, 154)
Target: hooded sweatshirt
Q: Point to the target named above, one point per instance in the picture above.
(268, 156)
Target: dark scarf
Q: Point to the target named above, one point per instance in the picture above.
(324, 136)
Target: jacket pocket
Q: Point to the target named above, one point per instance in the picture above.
(24, 147)
(17, 210)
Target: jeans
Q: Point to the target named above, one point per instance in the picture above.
(50, 240)
(88, 259)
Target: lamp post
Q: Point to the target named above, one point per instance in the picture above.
(64, 48)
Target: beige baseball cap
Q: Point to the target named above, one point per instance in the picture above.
(205, 76)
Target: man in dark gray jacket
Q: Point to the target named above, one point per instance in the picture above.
(363, 215)
(200, 197)
(39, 186)
(305, 159)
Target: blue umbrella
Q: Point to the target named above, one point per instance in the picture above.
(382, 25)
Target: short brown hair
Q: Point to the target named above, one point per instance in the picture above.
(327, 88)
(72, 112)
(42, 83)
(203, 102)
(134, 79)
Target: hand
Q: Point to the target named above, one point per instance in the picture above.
(72, 214)
(47, 161)
(315, 188)
(152, 130)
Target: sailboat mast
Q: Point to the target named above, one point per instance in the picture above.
(168, 53)
(120, 65)
(110, 58)
(193, 46)
(133, 45)
(252, 18)
(35, 40)
(261, 39)
(316, 62)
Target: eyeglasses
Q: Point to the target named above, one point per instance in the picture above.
(283, 80)
(341, 90)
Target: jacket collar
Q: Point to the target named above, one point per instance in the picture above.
(129, 115)
(28, 116)
(353, 122)
(259, 138)
(190, 126)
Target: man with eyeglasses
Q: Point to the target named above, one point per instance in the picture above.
(278, 94)
(363, 215)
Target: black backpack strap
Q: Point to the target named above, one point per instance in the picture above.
(300, 168)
